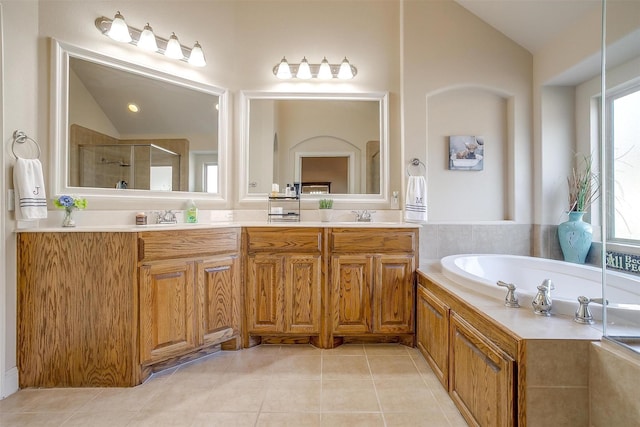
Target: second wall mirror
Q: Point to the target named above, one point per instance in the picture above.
(326, 144)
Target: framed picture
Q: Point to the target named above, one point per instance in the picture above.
(466, 152)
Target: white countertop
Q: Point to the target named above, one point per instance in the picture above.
(184, 226)
(520, 321)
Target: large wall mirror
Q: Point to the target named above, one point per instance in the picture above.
(325, 144)
(122, 130)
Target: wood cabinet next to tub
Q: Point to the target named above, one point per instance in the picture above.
(501, 365)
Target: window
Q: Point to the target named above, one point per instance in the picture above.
(210, 178)
(624, 164)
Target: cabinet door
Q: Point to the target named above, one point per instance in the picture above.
(481, 377)
(166, 310)
(393, 295)
(302, 293)
(264, 294)
(351, 293)
(433, 333)
(218, 298)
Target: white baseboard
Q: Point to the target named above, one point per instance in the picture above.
(9, 383)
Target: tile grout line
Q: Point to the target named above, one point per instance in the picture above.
(375, 388)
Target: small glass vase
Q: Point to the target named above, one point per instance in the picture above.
(68, 221)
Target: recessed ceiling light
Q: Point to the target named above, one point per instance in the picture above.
(133, 107)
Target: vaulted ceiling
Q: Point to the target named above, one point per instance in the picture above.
(530, 23)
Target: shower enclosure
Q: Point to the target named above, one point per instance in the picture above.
(133, 166)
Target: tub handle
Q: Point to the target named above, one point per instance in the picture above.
(510, 300)
(583, 314)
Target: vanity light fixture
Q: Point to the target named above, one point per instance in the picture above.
(324, 70)
(117, 29)
(148, 39)
(173, 49)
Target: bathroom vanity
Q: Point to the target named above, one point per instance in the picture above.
(330, 285)
(107, 307)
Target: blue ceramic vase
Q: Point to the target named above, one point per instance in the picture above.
(575, 238)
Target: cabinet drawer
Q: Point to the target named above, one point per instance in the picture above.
(372, 240)
(187, 243)
(280, 239)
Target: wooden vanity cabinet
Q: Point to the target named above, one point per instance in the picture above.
(104, 309)
(190, 291)
(373, 283)
(475, 359)
(283, 283)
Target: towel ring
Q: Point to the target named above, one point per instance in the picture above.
(416, 163)
(20, 137)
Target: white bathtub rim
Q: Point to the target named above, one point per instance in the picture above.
(561, 305)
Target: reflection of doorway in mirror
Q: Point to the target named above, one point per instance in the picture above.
(373, 167)
(333, 170)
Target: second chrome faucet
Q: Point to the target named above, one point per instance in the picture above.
(542, 302)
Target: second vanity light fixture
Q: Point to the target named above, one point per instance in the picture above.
(117, 29)
(322, 71)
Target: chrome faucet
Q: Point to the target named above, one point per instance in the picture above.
(542, 302)
(166, 217)
(510, 300)
(363, 216)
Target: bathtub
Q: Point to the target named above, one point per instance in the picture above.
(480, 273)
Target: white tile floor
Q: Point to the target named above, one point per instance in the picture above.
(352, 385)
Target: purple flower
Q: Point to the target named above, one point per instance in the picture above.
(66, 201)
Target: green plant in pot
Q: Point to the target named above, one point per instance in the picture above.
(575, 235)
(325, 206)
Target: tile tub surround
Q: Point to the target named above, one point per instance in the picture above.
(372, 385)
(440, 240)
(613, 385)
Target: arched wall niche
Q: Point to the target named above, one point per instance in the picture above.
(470, 195)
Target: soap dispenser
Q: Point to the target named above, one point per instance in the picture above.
(192, 212)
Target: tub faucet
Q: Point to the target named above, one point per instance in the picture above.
(510, 300)
(542, 302)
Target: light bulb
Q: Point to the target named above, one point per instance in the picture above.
(197, 56)
(119, 30)
(345, 72)
(304, 72)
(174, 50)
(148, 39)
(284, 71)
(325, 70)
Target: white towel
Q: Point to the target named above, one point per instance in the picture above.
(416, 200)
(28, 183)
